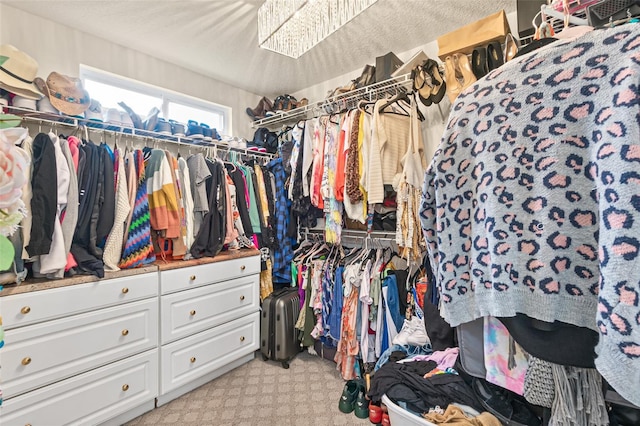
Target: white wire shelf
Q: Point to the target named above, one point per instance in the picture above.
(338, 103)
(43, 118)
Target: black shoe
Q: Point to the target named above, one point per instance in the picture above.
(495, 57)
(479, 62)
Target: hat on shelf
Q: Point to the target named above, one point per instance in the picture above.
(4, 98)
(65, 93)
(23, 102)
(17, 71)
(94, 112)
(44, 105)
(9, 120)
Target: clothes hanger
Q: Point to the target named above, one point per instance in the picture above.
(401, 96)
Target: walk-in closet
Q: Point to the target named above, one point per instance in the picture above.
(320, 212)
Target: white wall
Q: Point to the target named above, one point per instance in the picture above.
(319, 91)
(60, 48)
(435, 115)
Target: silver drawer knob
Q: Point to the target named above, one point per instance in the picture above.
(242, 338)
(241, 297)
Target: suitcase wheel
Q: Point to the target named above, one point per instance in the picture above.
(285, 364)
(264, 357)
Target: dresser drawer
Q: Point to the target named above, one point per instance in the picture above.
(189, 312)
(40, 354)
(194, 356)
(196, 276)
(89, 398)
(38, 306)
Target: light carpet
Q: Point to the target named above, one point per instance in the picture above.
(262, 393)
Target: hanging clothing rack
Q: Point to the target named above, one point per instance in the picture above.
(37, 117)
(336, 103)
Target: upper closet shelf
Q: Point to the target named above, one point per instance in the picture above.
(334, 104)
(42, 118)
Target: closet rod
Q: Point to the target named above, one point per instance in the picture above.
(37, 117)
(352, 233)
(318, 108)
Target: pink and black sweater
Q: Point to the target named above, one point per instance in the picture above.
(532, 203)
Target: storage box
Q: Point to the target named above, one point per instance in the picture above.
(386, 65)
(398, 416)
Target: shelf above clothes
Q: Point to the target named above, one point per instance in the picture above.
(340, 102)
(118, 131)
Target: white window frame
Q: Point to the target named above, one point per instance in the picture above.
(168, 96)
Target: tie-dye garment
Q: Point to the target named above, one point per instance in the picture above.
(504, 359)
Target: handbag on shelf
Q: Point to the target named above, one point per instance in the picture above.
(482, 32)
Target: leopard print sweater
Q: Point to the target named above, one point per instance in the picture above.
(532, 201)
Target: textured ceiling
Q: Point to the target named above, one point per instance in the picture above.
(219, 38)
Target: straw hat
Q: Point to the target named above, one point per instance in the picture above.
(17, 71)
(65, 93)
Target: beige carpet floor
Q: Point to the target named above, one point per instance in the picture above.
(262, 393)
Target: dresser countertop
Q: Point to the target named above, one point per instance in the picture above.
(223, 256)
(38, 284)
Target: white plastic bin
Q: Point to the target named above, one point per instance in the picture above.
(398, 416)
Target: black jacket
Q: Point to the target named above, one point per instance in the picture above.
(44, 202)
(96, 209)
(210, 237)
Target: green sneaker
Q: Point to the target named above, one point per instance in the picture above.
(349, 395)
(361, 409)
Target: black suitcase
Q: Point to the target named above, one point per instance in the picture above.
(279, 339)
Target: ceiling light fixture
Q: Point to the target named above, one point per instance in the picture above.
(293, 27)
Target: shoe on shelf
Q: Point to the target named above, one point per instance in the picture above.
(439, 87)
(479, 62)
(453, 84)
(260, 111)
(349, 396)
(177, 128)
(361, 407)
(126, 121)
(367, 77)
(463, 67)
(422, 83)
(510, 48)
(194, 130)
(207, 132)
(163, 127)
(495, 58)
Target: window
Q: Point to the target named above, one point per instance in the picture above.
(109, 89)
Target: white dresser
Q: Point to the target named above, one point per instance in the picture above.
(106, 351)
(209, 322)
(80, 354)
